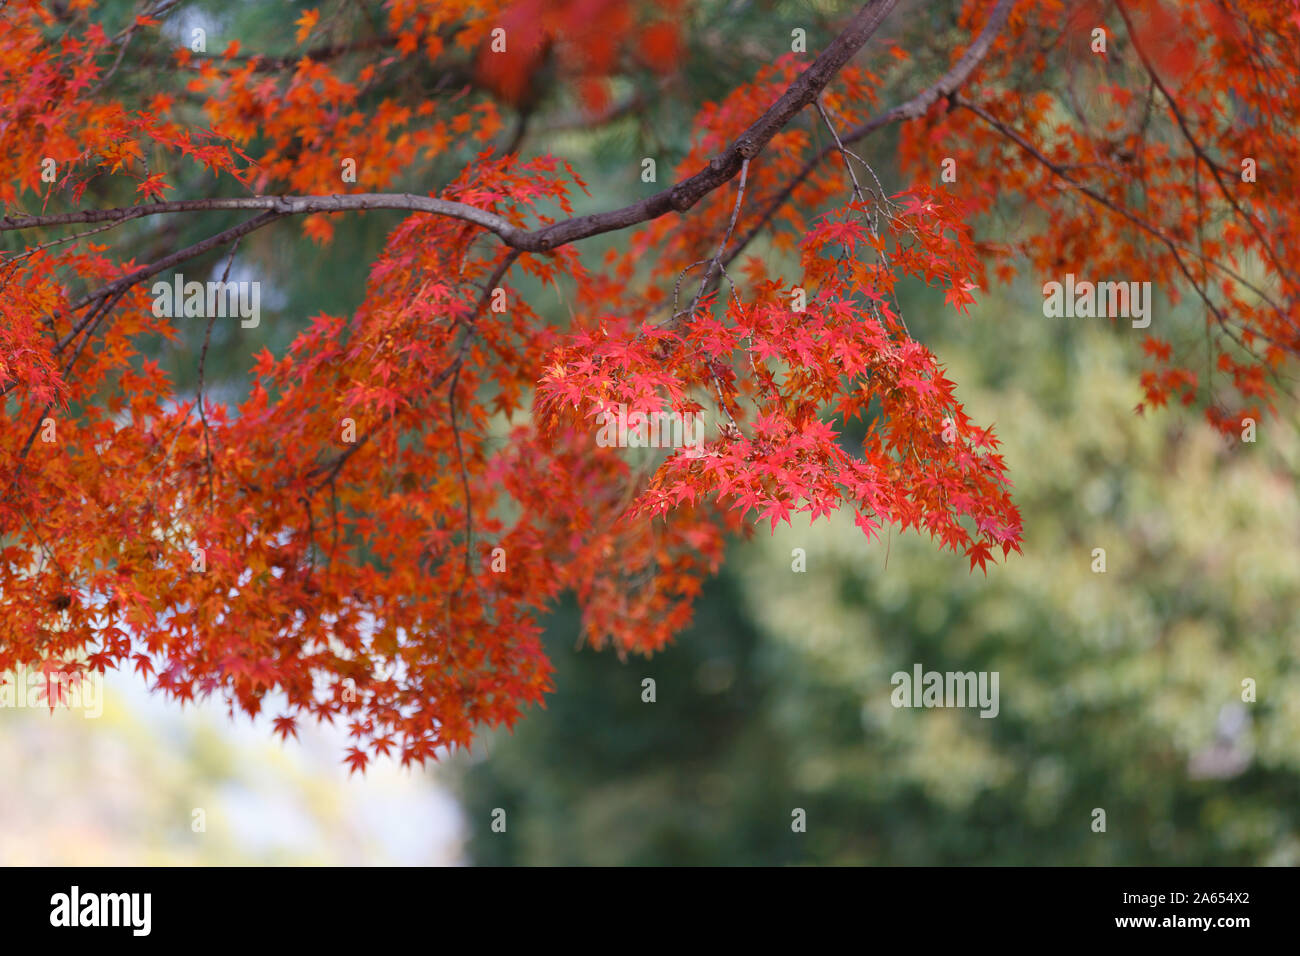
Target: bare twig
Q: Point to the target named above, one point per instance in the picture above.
(203, 356)
(945, 86)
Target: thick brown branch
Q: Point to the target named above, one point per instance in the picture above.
(677, 198)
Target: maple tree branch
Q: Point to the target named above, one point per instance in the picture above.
(123, 38)
(843, 151)
(171, 445)
(97, 315)
(281, 206)
(872, 221)
(464, 476)
(680, 197)
(946, 86)
(1173, 245)
(203, 358)
(113, 291)
(677, 198)
(716, 262)
(62, 240)
(120, 286)
(331, 469)
(269, 63)
(1199, 151)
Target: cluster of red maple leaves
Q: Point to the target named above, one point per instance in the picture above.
(375, 532)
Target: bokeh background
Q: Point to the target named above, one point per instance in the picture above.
(1119, 690)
